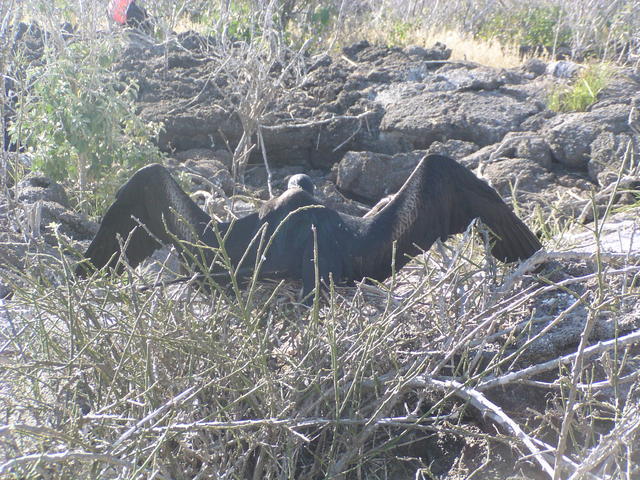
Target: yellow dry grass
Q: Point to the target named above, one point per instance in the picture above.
(464, 46)
(486, 52)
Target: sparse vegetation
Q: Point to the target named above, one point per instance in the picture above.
(583, 91)
(79, 123)
(535, 26)
(174, 383)
(403, 379)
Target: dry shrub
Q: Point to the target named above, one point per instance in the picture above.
(374, 381)
(465, 46)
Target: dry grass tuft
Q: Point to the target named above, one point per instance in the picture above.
(465, 46)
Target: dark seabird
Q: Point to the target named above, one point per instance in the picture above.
(300, 180)
(440, 198)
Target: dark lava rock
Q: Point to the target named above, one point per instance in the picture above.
(438, 52)
(533, 187)
(201, 126)
(608, 152)
(203, 154)
(462, 77)
(5, 291)
(37, 187)
(526, 145)
(483, 117)
(329, 195)
(44, 202)
(354, 49)
(455, 149)
(371, 176)
(373, 102)
(535, 66)
(29, 40)
(507, 173)
(563, 69)
(570, 135)
(38, 217)
(208, 174)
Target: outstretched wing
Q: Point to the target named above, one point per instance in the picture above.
(440, 198)
(470, 198)
(153, 199)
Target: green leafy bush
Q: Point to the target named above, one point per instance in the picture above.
(583, 92)
(532, 26)
(242, 20)
(235, 19)
(238, 21)
(400, 32)
(79, 121)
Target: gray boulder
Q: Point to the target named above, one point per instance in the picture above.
(318, 143)
(608, 152)
(535, 66)
(563, 69)
(624, 85)
(39, 217)
(327, 192)
(570, 135)
(38, 187)
(370, 176)
(622, 192)
(209, 173)
(199, 126)
(533, 187)
(464, 77)
(455, 149)
(44, 202)
(537, 122)
(199, 154)
(525, 145)
(71, 224)
(206, 169)
(482, 117)
(481, 156)
(506, 174)
(438, 52)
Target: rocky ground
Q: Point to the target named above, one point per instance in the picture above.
(371, 112)
(358, 121)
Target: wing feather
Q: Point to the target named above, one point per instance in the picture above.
(474, 198)
(439, 199)
(150, 209)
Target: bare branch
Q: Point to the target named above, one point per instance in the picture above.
(629, 339)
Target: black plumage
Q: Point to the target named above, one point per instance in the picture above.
(300, 180)
(440, 198)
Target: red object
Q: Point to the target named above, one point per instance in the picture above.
(118, 10)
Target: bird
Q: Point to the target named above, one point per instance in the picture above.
(303, 181)
(295, 236)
